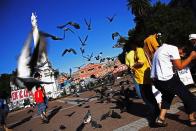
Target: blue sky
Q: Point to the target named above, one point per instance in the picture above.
(15, 24)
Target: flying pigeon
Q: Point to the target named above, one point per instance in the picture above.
(82, 50)
(75, 25)
(98, 56)
(121, 42)
(110, 18)
(115, 34)
(28, 61)
(102, 60)
(83, 42)
(69, 51)
(88, 57)
(88, 24)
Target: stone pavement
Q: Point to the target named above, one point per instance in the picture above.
(67, 114)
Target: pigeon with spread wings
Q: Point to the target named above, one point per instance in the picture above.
(83, 42)
(75, 25)
(88, 57)
(69, 51)
(82, 50)
(88, 23)
(110, 18)
(115, 34)
(28, 61)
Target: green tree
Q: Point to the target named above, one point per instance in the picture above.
(175, 23)
(139, 8)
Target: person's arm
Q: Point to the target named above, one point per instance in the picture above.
(181, 64)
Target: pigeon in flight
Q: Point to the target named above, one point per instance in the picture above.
(88, 24)
(115, 34)
(110, 18)
(102, 60)
(27, 62)
(82, 50)
(52, 36)
(75, 25)
(83, 42)
(121, 42)
(88, 57)
(69, 51)
(98, 56)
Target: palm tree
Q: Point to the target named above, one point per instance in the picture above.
(139, 7)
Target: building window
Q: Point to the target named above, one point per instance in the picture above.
(91, 69)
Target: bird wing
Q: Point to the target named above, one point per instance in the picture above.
(85, 39)
(80, 39)
(72, 50)
(23, 69)
(37, 54)
(68, 29)
(65, 51)
(75, 25)
(86, 22)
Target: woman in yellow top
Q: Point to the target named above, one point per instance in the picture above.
(139, 65)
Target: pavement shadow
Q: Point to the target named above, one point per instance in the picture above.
(137, 109)
(20, 122)
(54, 112)
(175, 117)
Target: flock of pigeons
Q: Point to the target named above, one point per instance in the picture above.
(29, 59)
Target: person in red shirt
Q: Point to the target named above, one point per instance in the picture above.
(39, 99)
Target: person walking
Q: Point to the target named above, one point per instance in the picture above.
(138, 63)
(39, 99)
(165, 59)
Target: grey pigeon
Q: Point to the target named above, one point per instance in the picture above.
(110, 18)
(69, 51)
(115, 34)
(87, 117)
(75, 25)
(83, 42)
(88, 24)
